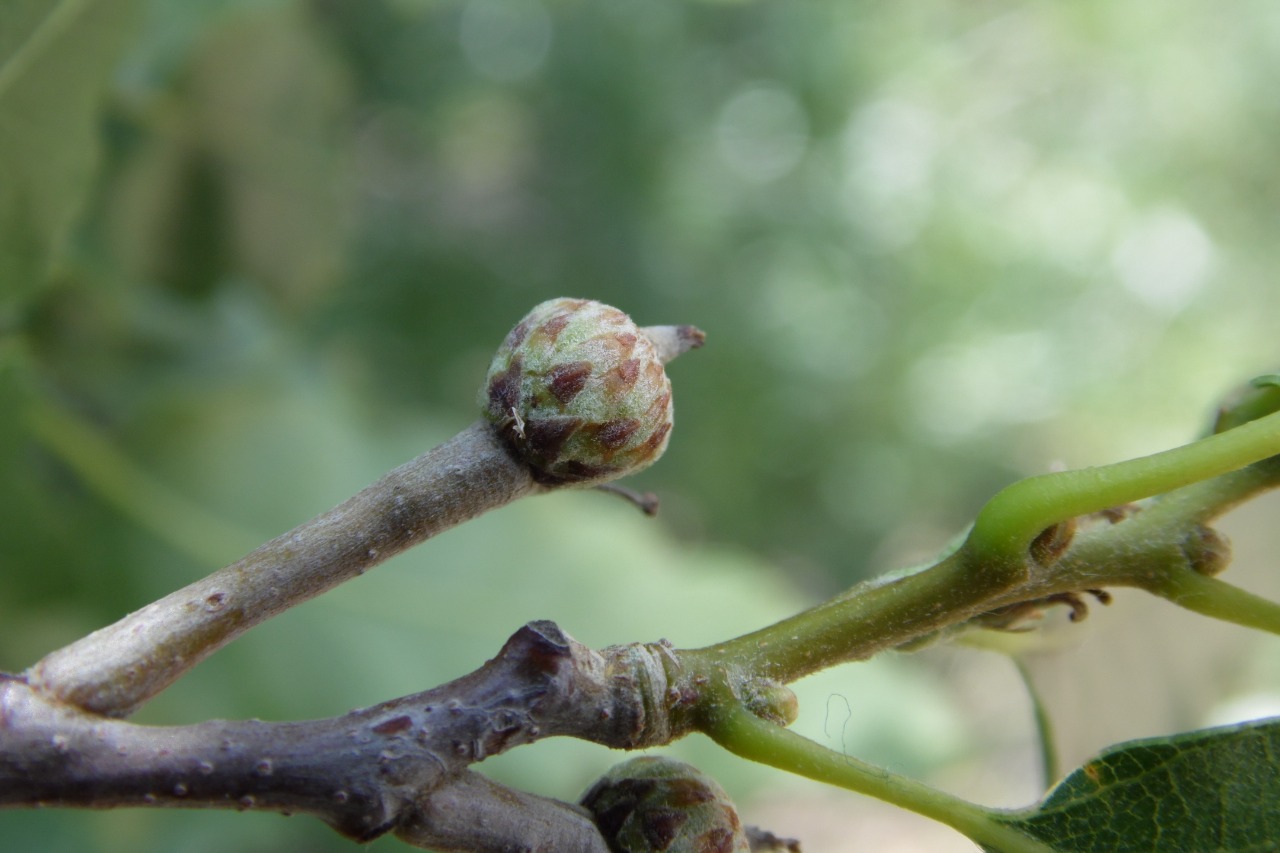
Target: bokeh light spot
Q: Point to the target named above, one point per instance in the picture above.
(1164, 260)
(890, 149)
(957, 390)
(762, 132)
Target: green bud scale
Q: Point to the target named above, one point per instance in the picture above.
(579, 393)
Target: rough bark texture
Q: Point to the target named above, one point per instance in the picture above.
(399, 766)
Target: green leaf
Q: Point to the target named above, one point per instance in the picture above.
(1209, 791)
(55, 59)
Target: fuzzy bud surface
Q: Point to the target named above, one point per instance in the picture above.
(579, 393)
(653, 803)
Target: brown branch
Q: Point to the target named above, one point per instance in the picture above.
(116, 669)
(365, 773)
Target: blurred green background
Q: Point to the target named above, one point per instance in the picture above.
(253, 254)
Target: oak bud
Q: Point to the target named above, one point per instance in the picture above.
(579, 393)
(653, 803)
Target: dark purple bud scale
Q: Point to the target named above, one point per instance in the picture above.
(654, 803)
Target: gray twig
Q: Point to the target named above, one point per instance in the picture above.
(116, 669)
(401, 766)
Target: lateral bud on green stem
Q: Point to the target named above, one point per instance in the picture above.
(578, 392)
(1047, 548)
(1207, 550)
(1258, 398)
(771, 700)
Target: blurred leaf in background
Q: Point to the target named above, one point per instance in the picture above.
(49, 139)
(264, 251)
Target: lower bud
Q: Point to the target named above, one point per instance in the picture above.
(659, 804)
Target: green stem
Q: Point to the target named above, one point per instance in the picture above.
(993, 559)
(1219, 599)
(1014, 517)
(853, 627)
(1049, 766)
(742, 733)
(1201, 503)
